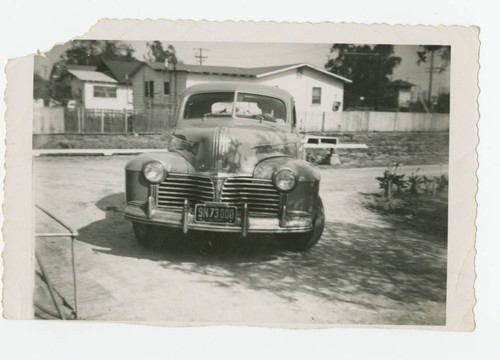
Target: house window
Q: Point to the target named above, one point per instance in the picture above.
(104, 91)
(166, 88)
(149, 89)
(316, 95)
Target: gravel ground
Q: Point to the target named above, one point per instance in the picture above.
(365, 270)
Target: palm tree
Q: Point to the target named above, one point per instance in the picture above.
(428, 51)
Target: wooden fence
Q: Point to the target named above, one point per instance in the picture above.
(99, 121)
(48, 120)
(90, 121)
(372, 121)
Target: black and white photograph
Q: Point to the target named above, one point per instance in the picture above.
(242, 183)
(283, 184)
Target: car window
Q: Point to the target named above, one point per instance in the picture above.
(260, 107)
(248, 106)
(209, 105)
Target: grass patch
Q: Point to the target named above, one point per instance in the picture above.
(415, 148)
(98, 141)
(427, 213)
(384, 148)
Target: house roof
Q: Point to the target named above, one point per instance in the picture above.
(119, 70)
(81, 67)
(400, 84)
(256, 72)
(271, 70)
(92, 76)
(59, 70)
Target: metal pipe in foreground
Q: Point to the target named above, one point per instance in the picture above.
(73, 234)
(49, 286)
(75, 287)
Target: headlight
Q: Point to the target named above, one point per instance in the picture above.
(154, 172)
(285, 180)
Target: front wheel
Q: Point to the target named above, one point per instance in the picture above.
(305, 241)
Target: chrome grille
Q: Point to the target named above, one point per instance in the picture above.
(177, 187)
(260, 195)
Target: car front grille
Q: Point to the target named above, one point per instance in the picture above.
(177, 187)
(260, 195)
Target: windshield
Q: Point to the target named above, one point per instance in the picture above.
(248, 106)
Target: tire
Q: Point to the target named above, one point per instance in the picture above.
(305, 241)
(150, 236)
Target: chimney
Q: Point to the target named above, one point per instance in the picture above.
(166, 63)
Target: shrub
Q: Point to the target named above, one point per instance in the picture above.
(414, 184)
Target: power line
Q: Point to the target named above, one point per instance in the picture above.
(199, 55)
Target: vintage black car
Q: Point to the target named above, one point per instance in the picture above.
(234, 165)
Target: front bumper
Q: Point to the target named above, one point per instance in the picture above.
(290, 222)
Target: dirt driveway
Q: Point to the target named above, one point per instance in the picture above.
(365, 270)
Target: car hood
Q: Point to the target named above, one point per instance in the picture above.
(234, 147)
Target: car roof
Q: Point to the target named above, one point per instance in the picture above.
(231, 86)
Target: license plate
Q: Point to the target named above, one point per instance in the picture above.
(215, 213)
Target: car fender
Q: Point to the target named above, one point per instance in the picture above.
(304, 196)
(302, 169)
(137, 188)
(173, 162)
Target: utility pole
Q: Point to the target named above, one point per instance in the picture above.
(431, 71)
(199, 55)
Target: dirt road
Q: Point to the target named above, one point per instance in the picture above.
(365, 270)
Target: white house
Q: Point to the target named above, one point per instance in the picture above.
(315, 90)
(96, 90)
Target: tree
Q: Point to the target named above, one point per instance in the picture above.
(60, 90)
(426, 53)
(157, 53)
(368, 67)
(91, 52)
(443, 103)
(41, 88)
(443, 52)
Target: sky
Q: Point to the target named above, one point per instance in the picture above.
(268, 54)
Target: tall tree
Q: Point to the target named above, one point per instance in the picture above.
(41, 88)
(427, 53)
(442, 51)
(369, 68)
(90, 52)
(157, 53)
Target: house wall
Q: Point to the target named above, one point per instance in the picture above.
(123, 99)
(299, 85)
(404, 98)
(195, 79)
(301, 88)
(176, 80)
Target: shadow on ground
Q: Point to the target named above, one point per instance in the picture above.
(364, 265)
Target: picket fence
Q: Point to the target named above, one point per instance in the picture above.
(372, 121)
(100, 121)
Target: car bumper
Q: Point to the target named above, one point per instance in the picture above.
(291, 222)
